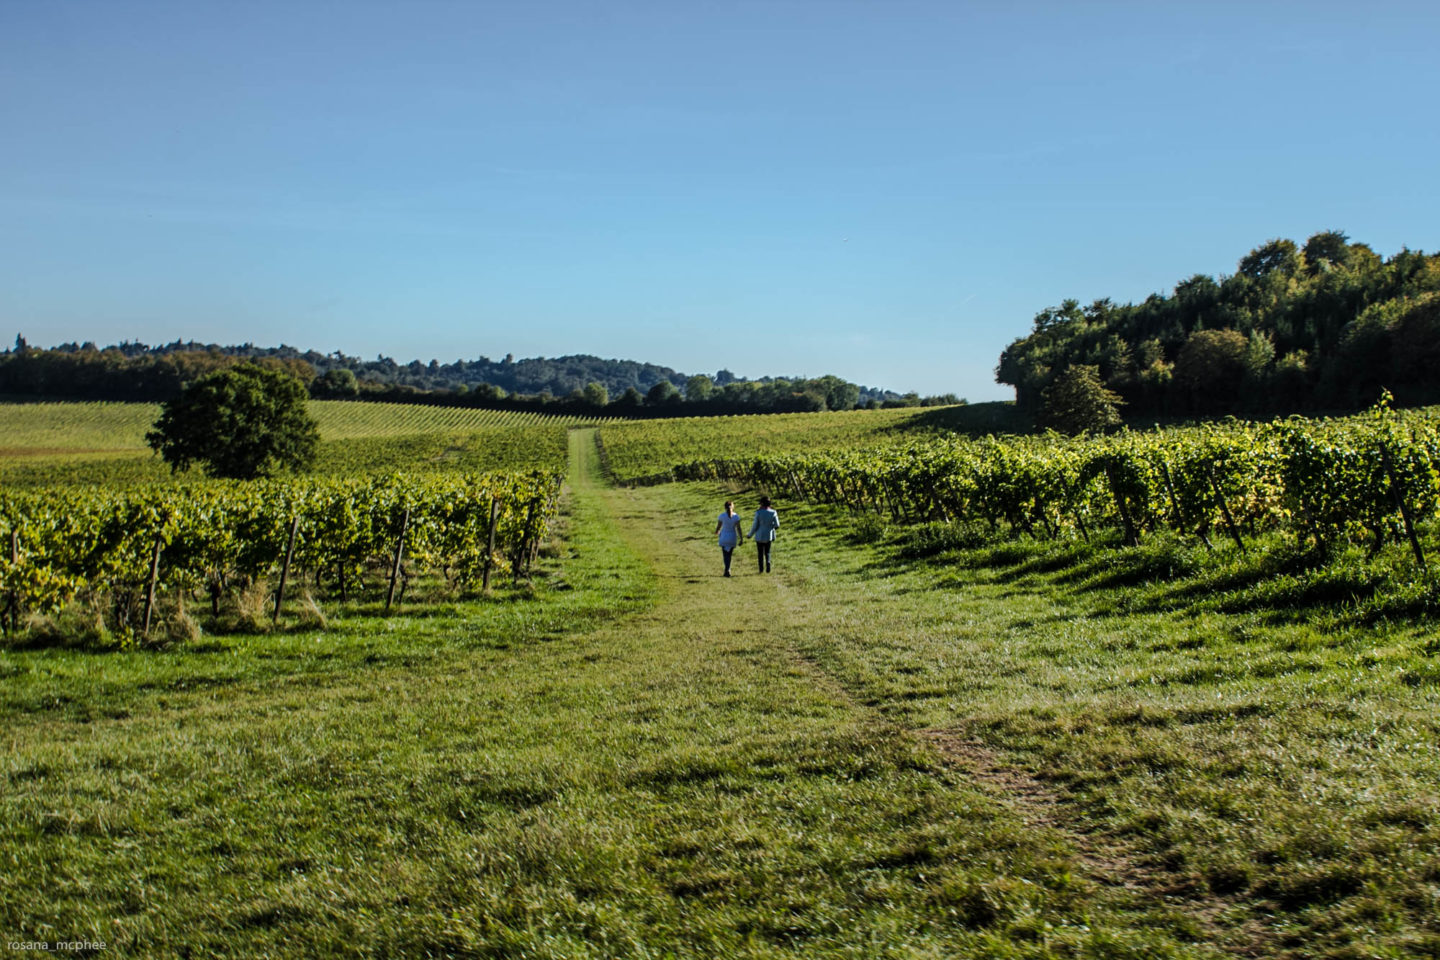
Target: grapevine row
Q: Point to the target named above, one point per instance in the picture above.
(216, 538)
(1371, 478)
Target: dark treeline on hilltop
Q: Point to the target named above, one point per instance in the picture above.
(1323, 326)
(136, 371)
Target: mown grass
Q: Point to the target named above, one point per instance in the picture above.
(332, 792)
(1255, 733)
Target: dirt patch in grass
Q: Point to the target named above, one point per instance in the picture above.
(1104, 860)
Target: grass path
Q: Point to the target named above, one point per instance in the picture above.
(983, 863)
(1111, 776)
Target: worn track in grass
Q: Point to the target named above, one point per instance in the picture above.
(792, 610)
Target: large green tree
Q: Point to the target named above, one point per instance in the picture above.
(1296, 327)
(699, 387)
(1078, 401)
(662, 393)
(245, 422)
(336, 384)
(1212, 366)
(595, 394)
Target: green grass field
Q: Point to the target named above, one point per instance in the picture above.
(898, 745)
(104, 443)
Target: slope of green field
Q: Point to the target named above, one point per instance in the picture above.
(42, 443)
(39, 429)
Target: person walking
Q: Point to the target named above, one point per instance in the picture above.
(763, 530)
(728, 527)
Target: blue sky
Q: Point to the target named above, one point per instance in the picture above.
(887, 191)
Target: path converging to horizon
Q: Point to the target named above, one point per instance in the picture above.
(760, 641)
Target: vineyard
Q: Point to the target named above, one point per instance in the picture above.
(125, 551)
(641, 450)
(29, 427)
(88, 514)
(1369, 479)
(104, 443)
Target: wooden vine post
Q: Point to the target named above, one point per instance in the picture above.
(490, 550)
(150, 587)
(399, 555)
(1175, 505)
(935, 505)
(1224, 508)
(1402, 506)
(523, 548)
(285, 570)
(1174, 500)
(795, 485)
(887, 496)
(1132, 536)
(13, 607)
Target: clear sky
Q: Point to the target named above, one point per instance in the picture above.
(885, 190)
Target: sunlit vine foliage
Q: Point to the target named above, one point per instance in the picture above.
(1362, 479)
(218, 537)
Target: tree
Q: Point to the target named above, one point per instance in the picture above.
(336, 384)
(1416, 349)
(1259, 356)
(1212, 366)
(489, 392)
(1281, 255)
(244, 422)
(699, 387)
(1077, 401)
(595, 394)
(1326, 251)
(1290, 383)
(662, 393)
(839, 394)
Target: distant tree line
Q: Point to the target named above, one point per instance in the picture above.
(1323, 326)
(583, 384)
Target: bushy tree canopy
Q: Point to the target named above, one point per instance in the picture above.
(662, 393)
(1212, 366)
(595, 394)
(1322, 325)
(699, 387)
(337, 384)
(244, 422)
(1077, 401)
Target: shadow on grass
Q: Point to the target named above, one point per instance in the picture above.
(1276, 578)
(974, 419)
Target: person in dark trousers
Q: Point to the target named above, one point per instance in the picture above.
(763, 530)
(728, 527)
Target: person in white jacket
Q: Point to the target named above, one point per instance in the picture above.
(763, 529)
(728, 527)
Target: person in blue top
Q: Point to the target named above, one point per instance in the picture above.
(728, 527)
(763, 530)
